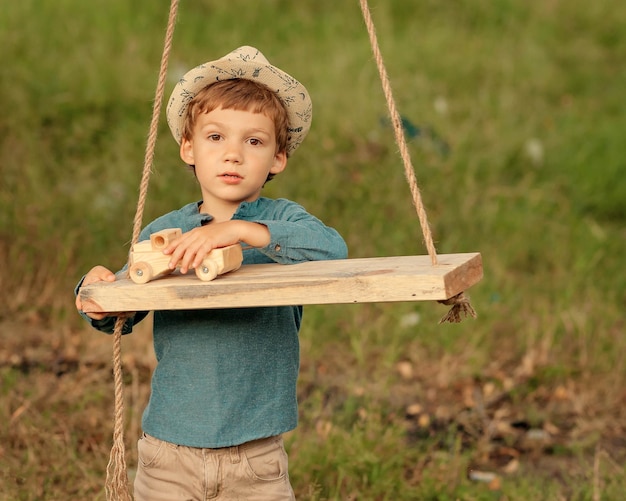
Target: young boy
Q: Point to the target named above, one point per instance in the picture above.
(224, 388)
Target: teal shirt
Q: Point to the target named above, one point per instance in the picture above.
(227, 376)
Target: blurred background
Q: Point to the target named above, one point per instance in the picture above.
(515, 117)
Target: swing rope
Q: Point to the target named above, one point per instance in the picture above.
(116, 485)
(460, 303)
(396, 122)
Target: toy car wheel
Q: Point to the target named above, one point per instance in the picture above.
(207, 270)
(141, 273)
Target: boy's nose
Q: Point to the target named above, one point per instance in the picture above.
(232, 154)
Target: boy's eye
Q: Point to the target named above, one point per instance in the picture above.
(254, 141)
(214, 137)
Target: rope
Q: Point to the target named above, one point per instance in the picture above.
(396, 121)
(154, 124)
(116, 485)
(460, 303)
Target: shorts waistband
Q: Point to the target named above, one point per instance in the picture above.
(251, 443)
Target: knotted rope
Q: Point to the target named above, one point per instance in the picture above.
(460, 303)
(116, 485)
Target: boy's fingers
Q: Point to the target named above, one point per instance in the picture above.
(185, 260)
(99, 274)
(180, 250)
(105, 274)
(189, 250)
(109, 277)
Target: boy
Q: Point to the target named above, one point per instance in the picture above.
(224, 388)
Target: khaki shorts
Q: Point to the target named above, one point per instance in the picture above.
(256, 470)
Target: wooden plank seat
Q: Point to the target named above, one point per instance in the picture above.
(358, 280)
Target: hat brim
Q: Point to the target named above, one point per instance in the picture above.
(247, 63)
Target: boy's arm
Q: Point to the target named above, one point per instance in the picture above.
(297, 236)
(288, 235)
(305, 239)
(190, 249)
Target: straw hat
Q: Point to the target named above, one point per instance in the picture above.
(248, 63)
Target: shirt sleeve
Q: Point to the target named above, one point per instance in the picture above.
(297, 236)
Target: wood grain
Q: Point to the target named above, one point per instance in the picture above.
(362, 280)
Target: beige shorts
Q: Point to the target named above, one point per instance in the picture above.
(256, 470)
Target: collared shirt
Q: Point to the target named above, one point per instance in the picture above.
(228, 376)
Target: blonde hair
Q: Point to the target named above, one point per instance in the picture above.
(241, 95)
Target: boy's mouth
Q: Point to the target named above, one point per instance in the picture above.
(231, 177)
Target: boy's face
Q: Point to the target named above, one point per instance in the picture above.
(233, 153)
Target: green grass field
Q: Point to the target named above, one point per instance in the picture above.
(515, 117)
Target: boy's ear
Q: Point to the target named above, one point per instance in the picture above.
(280, 162)
(186, 151)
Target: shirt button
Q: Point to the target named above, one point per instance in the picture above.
(277, 248)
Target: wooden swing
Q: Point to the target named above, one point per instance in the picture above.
(442, 278)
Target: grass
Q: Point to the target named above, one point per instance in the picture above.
(514, 113)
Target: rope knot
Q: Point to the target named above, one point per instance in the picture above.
(460, 306)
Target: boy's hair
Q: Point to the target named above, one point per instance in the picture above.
(242, 95)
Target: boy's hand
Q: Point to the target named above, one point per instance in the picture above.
(96, 274)
(191, 248)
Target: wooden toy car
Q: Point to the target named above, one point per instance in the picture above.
(148, 262)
